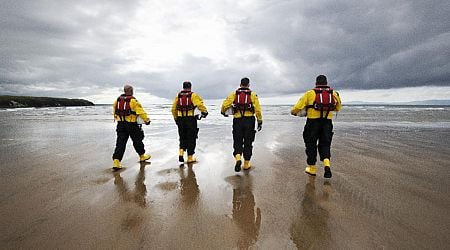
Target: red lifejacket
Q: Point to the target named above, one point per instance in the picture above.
(324, 101)
(243, 101)
(123, 108)
(185, 102)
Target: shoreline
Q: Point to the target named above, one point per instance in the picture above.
(39, 102)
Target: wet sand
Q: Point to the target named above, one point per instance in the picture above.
(389, 190)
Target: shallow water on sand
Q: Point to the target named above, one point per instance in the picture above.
(389, 187)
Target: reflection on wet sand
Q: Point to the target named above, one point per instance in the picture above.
(244, 210)
(133, 218)
(310, 228)
(140, 190)
(188, 185)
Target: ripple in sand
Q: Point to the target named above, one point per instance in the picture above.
(168, 186)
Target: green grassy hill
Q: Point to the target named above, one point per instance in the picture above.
(31, 101)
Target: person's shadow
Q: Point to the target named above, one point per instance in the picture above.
(138, 195)
(310, 228)
(244, 215)
(188, 185)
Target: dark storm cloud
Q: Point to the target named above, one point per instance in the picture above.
(67, 48)
(358, 44)
(64, 47)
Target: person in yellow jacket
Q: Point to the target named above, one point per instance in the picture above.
(127, 111)
(183, 108)
(319, 104)
(245, 106)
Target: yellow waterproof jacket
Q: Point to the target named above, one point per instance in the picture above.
(308, 99)
(197, 101)
(228, 103)
(136, 107)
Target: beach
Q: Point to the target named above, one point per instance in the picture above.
(389, 188)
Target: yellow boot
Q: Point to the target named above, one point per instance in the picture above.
(311, 170)
(327, 165)
(191, 159)
(247, 165)
(237, 167)
(144, 157)
(181, 155)
(116, 164)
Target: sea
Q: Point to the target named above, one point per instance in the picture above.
(32, 126)
(351, 116)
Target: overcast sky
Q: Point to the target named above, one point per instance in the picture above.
(89, 49)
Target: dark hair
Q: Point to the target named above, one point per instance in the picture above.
(187, 85)
(245, 81)
(321, 80)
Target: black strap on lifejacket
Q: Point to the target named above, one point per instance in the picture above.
(123, 107)
(185, 103)
(243, 105)
(320, 106)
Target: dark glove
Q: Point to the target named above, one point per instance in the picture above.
(259, 125)
(223, 113)
(147, 122)
(204, 114)
(293, 113)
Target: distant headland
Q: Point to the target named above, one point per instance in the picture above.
(38, 102)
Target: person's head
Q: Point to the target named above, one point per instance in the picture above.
(187, 85)
(321, 80)
(245, 82)
(128, 89)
